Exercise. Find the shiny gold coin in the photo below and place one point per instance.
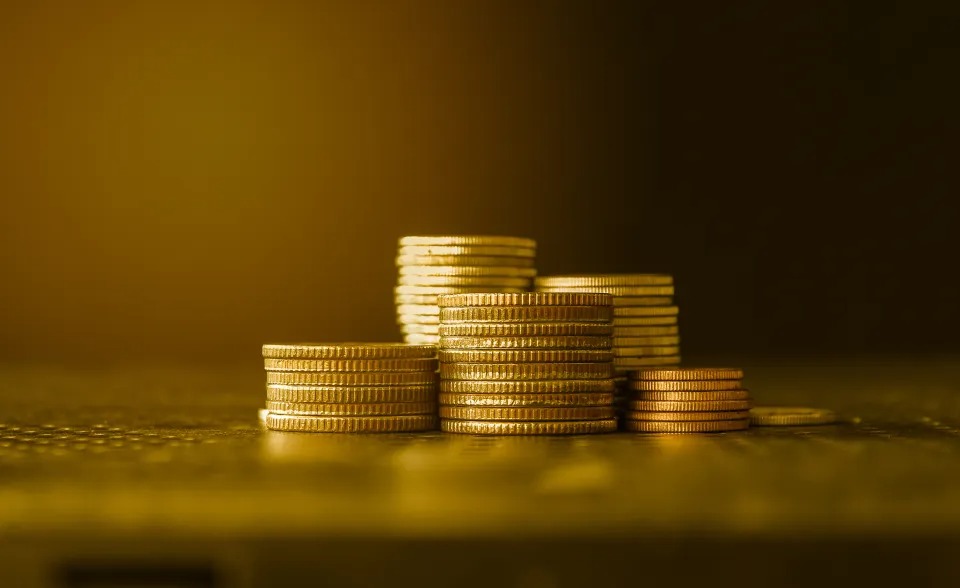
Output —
(412, 328)
(686, 427)
(482, 250)
(507, 413)
(529, 427)
(428, 300)
(352, 394)
(635, 363)
(422, 339)
(438, 290)
(467, 271)
(467, 240)
(789, 416)
(552, 329)
(525, 371)
(349, 365)
(525, 299)
(506, 314)
(419, 319)
(608, 280)
(347, 351)
(495, 282)
(511, 387)
(677, 416)
(419, 308)
(628, 342)
(524, 355)
(372, 409)
(470, 260)
(686, 374)
(689, 395)
(685, 385)
(652, 351)
(645, 311)
(352, 378)
(529, 400)
(691, 406)
(617, 291)
(640, 332)
(625, 322)
(356, 424)
(542, 342)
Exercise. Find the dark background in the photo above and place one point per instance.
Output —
(191, 179)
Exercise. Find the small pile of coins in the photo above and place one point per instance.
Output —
(687, 400)
(429, 266)
(526, 364)
(351, 387)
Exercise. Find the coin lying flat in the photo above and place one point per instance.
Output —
(524, 355)
(345, 409)
(526, 371)
(467, 271)
(628, 322)
(352, 378)
(411, 328)
(692, 406)
(659, 309)
(352, 394)
(685, 385)
(421, 339)
(347, 351)
(618, 291)
(466, 240)
(690, 395)
(685, 374)
(531, 400)
(419, 319)
(525, 413)
(544, 342)
(552, 329)
(686, 427)
(656, 350)
(464, 281)
(588, 386)
(418, 308)
(481, 250)
(529, 427)
(645, 332)
(350, 365)
(467, 260)
(527, 299)
(328, 424)
(438, 290)
(678, 416)
(604, 280)
(628, 342)
(503, 314)
(787, 416)
(633, 363)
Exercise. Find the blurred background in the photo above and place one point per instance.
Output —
(187, 180)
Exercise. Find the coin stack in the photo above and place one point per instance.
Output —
(351, 387)
(526, 364)
(433, 265)
(690, 400)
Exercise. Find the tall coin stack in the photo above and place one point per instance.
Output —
(691, 400)
(526, 364)
(429, 266)
(351, 387)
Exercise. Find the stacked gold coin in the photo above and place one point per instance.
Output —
(689, 400)
(526, 364)
(429, 266)
(351, 387)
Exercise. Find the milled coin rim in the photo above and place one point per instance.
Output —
(686, 426)
(618, 292)
(688, 373)
(492, 240)
(526, 371)
(419, 364)
(371, 394)
(570, 386)
(542, 400)
(527, 413)
(468, 281)
(525, 299)
(645, 311)
(525, 329)
(791, 416)
(347, 350)
(690, 395)
(507, 314)
(528, 427)
(528, 342)
(492, 271)
(684, 416)
(588, 280)
(685, 385)
(466, 260)
(693, 406)
(333, 424)
(351, 409)
(523, 355)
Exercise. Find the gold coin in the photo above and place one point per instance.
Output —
(787, 416)
(418, 308)
(632, 311)
(473, 260)
(692, 406)
(689, 395)
(525, 371)
(553, 329)
(686, 427)
(341, 409)
(525, 299)
(352, 378)
(635, 363)
(652, 351)
(617, 291)
(352, 394)
(467, 240)
(495, 282)
(527, 386)
(685, 385)
(531, 400)
(427, 300)
(524, 355)
(636, 332)
(437, 290)
(622, 322)
(467, 271)
(542, 342)
(350, 365)
(686, 374)
(419, 319)
(526, 413)
(529, 427)
(356, 424)
(347, 351)
(411, 328)
(677, 416)
(609, 280)
(627, 342)
(422, 339)
(482, 250)
(506, 314)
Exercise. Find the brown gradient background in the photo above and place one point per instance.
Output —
(192, 179)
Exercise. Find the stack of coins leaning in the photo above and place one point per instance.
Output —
(526, 364)
(690, 400)
(432, 265)
(351, 387)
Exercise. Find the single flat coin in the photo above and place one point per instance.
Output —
(652, 351)
(677, 416)
(685, 385)
(525, 371)
(529, 428)
(495, 282)
(471, 260)
(418, 308)
(690, 395)
(352, 378)
(623, 322)
(507, 413)
(428, 300)
(412, 328)
(552, 329)
(482, 250)
(350, 365)
(686, 427)
(356, 424)
(688, 374)
(523, 355)
(529, 400)
(790, 416)
(644, 311)
(642, 332)
(467, 271)
(617, 291)
(634, 363)
(371, 409)
(539, 387)
(422, 339)
(419, 319)
(628, 342)
(543, 342)
(466, 240)
(438, 290)
(692, 406)
(352, 394)
(347, 351)
(592, 280)
(505, 314)
(535, 299)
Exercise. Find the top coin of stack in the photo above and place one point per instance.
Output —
(433, 265)
(688, 400)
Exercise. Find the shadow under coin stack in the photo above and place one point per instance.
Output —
(351, 387)
(526, 364)
(432, 265)
(691, 400)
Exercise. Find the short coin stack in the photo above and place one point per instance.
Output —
(351, 387)
(691, 400)
(432, 265)
(526, 364)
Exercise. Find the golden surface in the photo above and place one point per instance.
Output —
(685, 427)
(421, 338)
(358, 424)
(685, 374)
(533, 299)
(688, 405)
(522, 355)
(523, 329)
(481, 250)
(350, 365)
(467, 240)
(589, 280)
(467, 260)
(525, 314)
(417, 305)
(352, 378)
(626, 342)
(470, 281)
(529, 428)
(526, 413)
(526, 371)
(412, 320)
(539, 400)
(619, 292)
(351, 409)
(541, 342)
(641, 332)
(651, 351)
(786, 416)
(351, 394)
(347, 351)
(682, 416)
(412, 271)
(685, 385)
(438, 290)
(527, 386)
(630, 322)
(690, 395)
